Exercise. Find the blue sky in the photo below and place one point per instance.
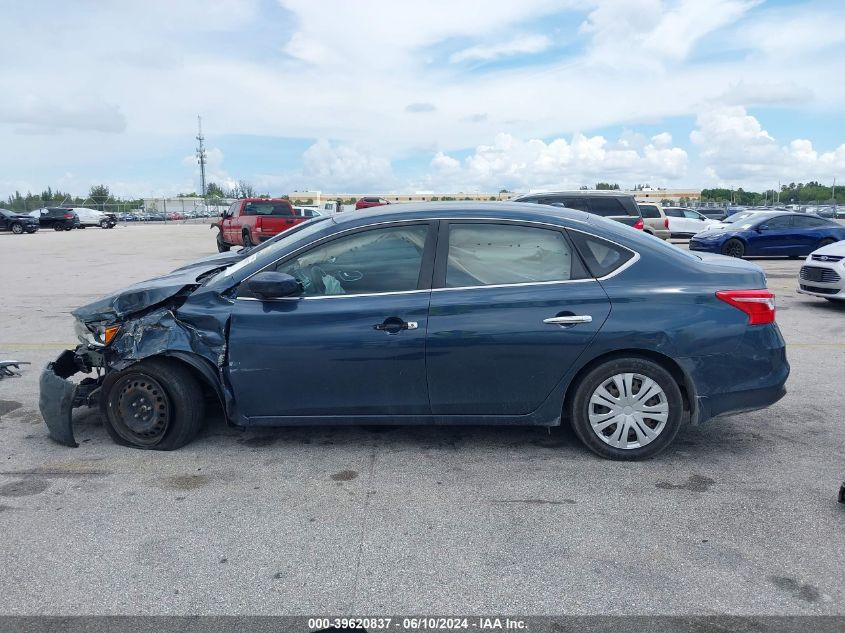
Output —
(392, 95)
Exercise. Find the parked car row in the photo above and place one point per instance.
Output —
(17, 223)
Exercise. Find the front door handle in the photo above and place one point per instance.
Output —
(569, 320)
(392, 325)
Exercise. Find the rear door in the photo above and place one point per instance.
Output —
(511, 310)
(808, 233)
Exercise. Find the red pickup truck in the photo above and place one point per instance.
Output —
(254, 220)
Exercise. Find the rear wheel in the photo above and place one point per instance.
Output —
(733, 248)
(248, 240)
(155, 404)
(58, 227)
(222, 247)
(17, 229)
(627, 409)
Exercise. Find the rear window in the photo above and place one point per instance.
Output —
(602, 257)
(579, 204)
(649, 211)
(268, 208)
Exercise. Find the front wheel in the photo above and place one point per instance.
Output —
(17, 229)
(104, 224)
(733, 248)
(58, 227)
(627, 409)
(222, 247)
(155, 404)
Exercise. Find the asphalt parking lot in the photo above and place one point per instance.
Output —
(739, 517)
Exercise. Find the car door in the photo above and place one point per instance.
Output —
(773, 236)
(695, 222)
(808, 233)
(511, 310)
(4, 221)
(231, 235)
(353, 344)
(676, 220)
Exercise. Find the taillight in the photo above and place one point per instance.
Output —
(665, 223)
(68, 216)
(759, 305)
(639, 224)
(258, 224)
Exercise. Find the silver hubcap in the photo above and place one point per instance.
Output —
(628, 411)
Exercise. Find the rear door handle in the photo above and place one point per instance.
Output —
(393, 325)
(569, 320)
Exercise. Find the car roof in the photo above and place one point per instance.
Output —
(575, 193)
(519, 211)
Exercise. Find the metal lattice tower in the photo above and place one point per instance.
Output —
(201, 158)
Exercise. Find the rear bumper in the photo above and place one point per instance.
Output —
(59, 396)
(736, 402)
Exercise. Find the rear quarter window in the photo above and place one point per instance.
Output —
(649, 211)
(601, 256)
(607, 207)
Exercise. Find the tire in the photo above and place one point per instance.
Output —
(222, 247)
(733, 248)
(665, 408)
(104, 224)
(826, 242)
(164, 391)
(16, 228)
(58, 227)
(248, 240)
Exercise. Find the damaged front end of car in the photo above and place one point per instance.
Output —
(146, 320)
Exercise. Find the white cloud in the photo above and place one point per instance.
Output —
(535, 164)
(735, 148)
(42, 115)
(339, 167)
(522, 45)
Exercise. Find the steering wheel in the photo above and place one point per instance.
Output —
(315, 274)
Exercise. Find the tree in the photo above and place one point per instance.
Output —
(213, 190)
(606, 186)
(99, 194)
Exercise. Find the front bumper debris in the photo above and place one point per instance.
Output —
(59, 396)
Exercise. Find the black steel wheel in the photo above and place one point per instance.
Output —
(733, 248)
(155, 404)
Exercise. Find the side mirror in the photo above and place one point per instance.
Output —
(762, 227)
(273, 285)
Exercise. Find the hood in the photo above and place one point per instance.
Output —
(143, 295)
(218, 259)
(837, 249)
(20, 216)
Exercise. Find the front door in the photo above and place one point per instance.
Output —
(777, 238)
(514, 310)
(353, 344)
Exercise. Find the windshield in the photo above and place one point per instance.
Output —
(269, 250)
(736, 217)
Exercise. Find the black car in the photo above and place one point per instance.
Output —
(17, 223)
(613, 205)
(57, 218)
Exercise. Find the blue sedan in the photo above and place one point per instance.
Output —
(770, 235)
(467, 313)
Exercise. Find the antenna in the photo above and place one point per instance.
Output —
(201, 153)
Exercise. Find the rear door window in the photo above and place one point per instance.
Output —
(779, 222)
(483, 254)
(809, 223)
(649, 211)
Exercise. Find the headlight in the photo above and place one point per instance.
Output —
(98, 335)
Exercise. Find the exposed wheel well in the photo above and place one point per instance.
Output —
(661, 359)
(201, 369)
